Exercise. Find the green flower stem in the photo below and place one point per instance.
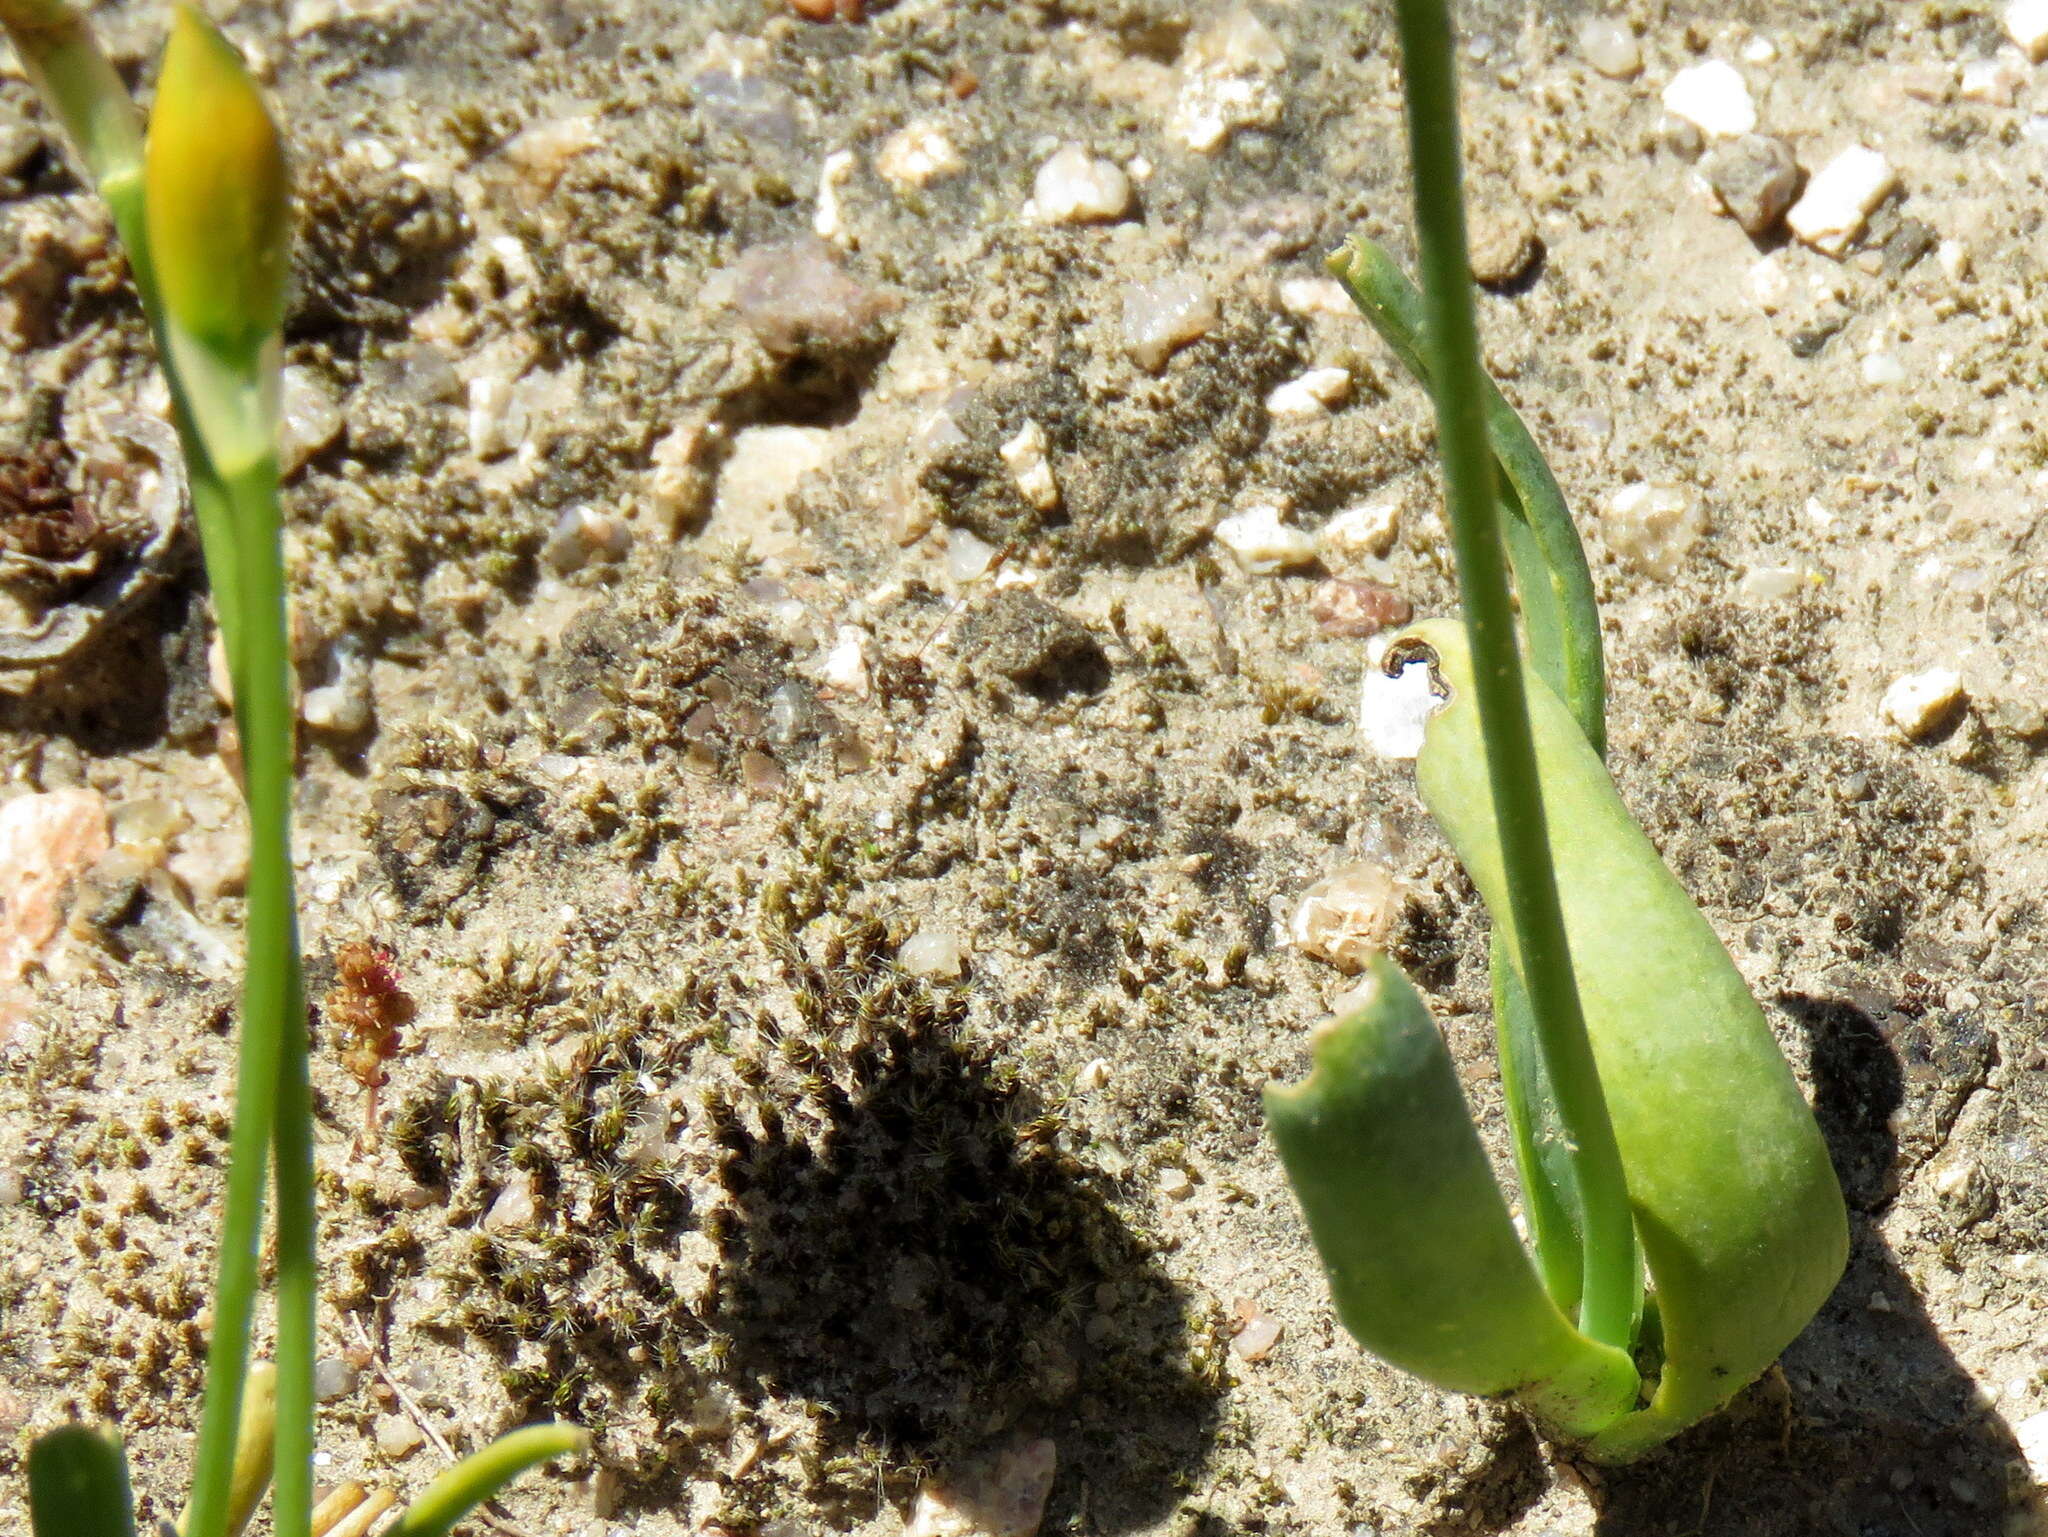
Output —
(273, 990)
(482, 1474)
(1609, 1270)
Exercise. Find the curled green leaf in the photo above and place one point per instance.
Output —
(1735, 1200)
(1422, 1258)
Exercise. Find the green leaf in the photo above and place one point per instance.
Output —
(78, 1484)
(1735, 1200)
(482, 1474)
(1422, 1258)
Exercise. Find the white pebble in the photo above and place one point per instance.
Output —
(1003, 1498)
(1769, 284)
(543, 152)
(497, 423)
(1075, 187)
(1840, 197)
(1920, 703)
(1392, 712)
(332, 1378)
(516, 1208)
(932, 953)
(2032, 1435)
(1770, 584)
(1610, 47)
(846, 665)
(1094, 1074)
(309, 417)
(1030, 469)
(1954, 259)
(1759, 50)
(1229, 80)
(1345, 917)
(345, 706)
(1365, 529)
(1176, 1184)
(1315, 296)
(1255, 1339)
(1713, 98)
(1312, 396)
(1882, 368)
(1164, 315)
(915, 154)
(583, 536)
(1653, 528)
(1996, 82)
(827, 221)
(398, 1437)
(1262, 542)
(2026, 23)
(968, 556)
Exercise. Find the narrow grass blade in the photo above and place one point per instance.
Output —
(1423, 1262)
(78, 1484)
(1551, 576)
(482, 1474)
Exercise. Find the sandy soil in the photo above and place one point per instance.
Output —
(675, 733)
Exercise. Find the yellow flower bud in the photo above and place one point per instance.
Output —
(215, 189)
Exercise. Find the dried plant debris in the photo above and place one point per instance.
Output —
(82, 541)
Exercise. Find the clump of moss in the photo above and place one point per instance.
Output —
(798, 1192)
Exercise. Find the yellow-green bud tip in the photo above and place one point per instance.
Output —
(216, 195)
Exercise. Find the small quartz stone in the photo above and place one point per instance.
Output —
(1994, 81)
(1030, 469)
(1653, 528)
(2026, 23)
(1075, 187)
(1366, 529)
(1839, 198)
(1164, 315)
(1262, 542)
(1176, 1184)
(1311, 396)
(1002, 1497)
(1230, 79)
(933, 953)
(398, 1437)
(1346, 917)
(1713, 98)
(332, 1378)
(1920, 704)
(583, 536)
(1770, 584)
(846, 665)
(1755, 178)
(2032, 1435)
(1256, 1335)
(516, 1208)
(1610, 48)
(915, 154)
